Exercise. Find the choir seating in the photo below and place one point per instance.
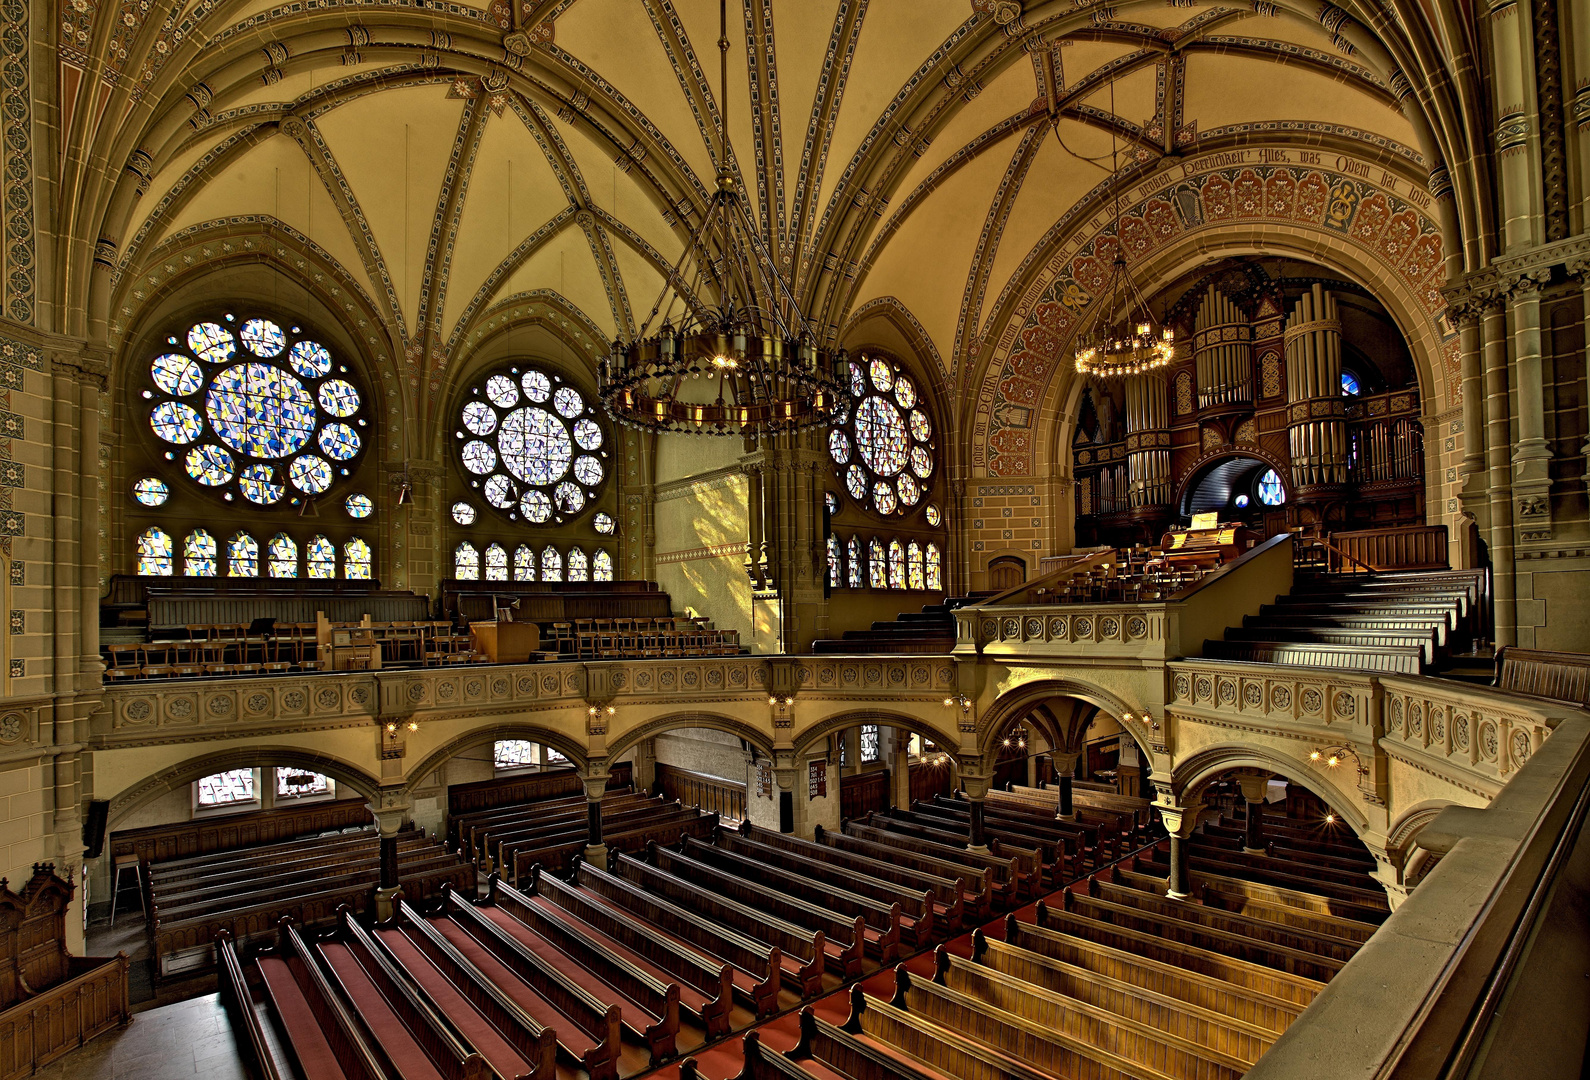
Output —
(1561, 676)
(931, 630)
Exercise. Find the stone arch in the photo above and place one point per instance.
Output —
(183, 773)
(1406, 858)
(1231, 450)
(560, 741)
(674, 721)
(883, 717)
(1015, 704)
(1198, 771)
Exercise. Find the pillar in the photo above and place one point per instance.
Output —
(1065, 767)
(391, 815)
(595, 780)
(976, 787)
(1498, 464)
(1255, 786)
(1531, 456)
(900, 771)
(1180, 821)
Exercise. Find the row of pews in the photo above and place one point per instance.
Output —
(195, 900)
(1109, 978)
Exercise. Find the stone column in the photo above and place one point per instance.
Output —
(595, 787)
(1531, 456)
(900, 771)
(1517, 133)
(1180, 821)
(976, 787)
(1065, 767)
(1255, 786)
(391, 814)
(1498, 451)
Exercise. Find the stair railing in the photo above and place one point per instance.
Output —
(1329, 558)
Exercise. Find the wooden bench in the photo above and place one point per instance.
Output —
(1010, 879)
(1561, 676)
(669, 829)
(975, 883)
(547, 783)
(254, 828)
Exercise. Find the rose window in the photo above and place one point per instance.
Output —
(255, 410)
(531, 446)
(885, 450)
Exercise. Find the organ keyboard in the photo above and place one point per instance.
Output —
(1204, 549)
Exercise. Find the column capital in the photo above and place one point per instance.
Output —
(1180, 821)
(1255, 784)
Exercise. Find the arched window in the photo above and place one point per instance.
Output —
(531, 445)
(935, 568)
(235, 788)
(524, 563)
(154, 553)
(602, 566)
(1271, 493)
(496, 563)
(1350, 386)
(198, 554)
(877, 571)
(322, 557)
(915, 576)
(466, 562)
(896, 565)
(356, 560)
(869, 743)
(853, 563)
(513, 754)
(551, 564)
(836, 574)
(579, 565)
(884, 451)
(242, 556)
(282, 556)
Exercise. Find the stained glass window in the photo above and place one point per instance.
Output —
(496, 563)
(877, 572)
(233, 788)
(602, 565)
(1271, 493)
(359, 506)
(836, 575)
(256, 410)
(869, 743)
(300, 784)
(1350, 387)
(322, 558)
(934, 517)
(551, 565)
(463, 513)
(151, 491)
(242, 556)
(896, 565)
(884, 451)
(466, 562)
(532, 444)
(915, 572)
(281, 556)
(356, 560)
(513, 754)
(603, 523)
(935, 568)
(853, 563)
(524, 563)
(198, 554)
(579, 565)
(154, 553)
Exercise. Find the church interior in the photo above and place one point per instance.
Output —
(1063, 556)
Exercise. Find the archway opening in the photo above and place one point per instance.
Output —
(1238, 487)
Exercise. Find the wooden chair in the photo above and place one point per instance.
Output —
(585, 639)
(125, 663)
(563, 637)
(157, 661)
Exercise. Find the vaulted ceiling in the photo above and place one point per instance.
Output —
(448, 161)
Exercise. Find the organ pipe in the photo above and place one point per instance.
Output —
(1316, 419)
(1222, 353)
(1148, 440)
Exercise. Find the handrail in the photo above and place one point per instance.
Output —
(1225, 569)
(1076, 564)
(1320, 541)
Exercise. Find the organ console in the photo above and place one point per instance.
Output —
(1204, 548)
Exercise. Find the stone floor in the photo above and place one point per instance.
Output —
(192, 1038)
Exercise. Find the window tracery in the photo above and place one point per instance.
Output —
(551, 564)
(198, 554)
(242, 556)
(496, 563)
(579, 565)
(322, 558)
(602, 566)
(282, 556)
(356, 560)
(466, 562)
(884, 451)
(524, 563)
(154, 553)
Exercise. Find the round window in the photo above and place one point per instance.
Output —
(884, 452)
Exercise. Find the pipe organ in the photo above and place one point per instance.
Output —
(1148, 440)
(1316, 416)
(1223, 354)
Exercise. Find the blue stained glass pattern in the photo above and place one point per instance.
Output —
(579, 565)
(524, 563)
(502, 392)
(536, 507)
(839, 446)
(258, 484)
(535, 446)
(551, 564)
(480, 418)
(154, 553)
(338, 397)
(176, 374)
(1350, 387)
(880, 435)
(242, 556)
(496, 563)
(322, 558)
(310, 359)
(588, 434)
(198, 554)
(260, 410)
(264, 338)
(568, 498)
(587, 470)
(282, 556)
(603, 523)
(466, 562)
(537, 387)
(213, 342)
(568, 402)
(463, 513)
(479, 457)
(209, 465)
(311, 474)
(602, 566)
(359, 506)
(339, 441)
(356, 560)
(151, 491)
(499, 492)
(884, 432)
(176, 423)
(1271, 493)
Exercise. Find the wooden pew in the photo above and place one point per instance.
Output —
(281, 828)
(1050, 1032)
(177, 899)
(668, 830)
(1292, 875)
(845, 939)
(504, 841)
(312, 1015)
(706, 989)
(1234, 890)
(528, 787)
(976, 883)
(805, 951)
(882, 882)
(409, 930)
(653, 999)
(1561, 676)
(376, 989)
(1062, 844)
(593, 1039)
(1309, 922)
(760, 1064)
(861, 1051)
(884, 922)
(472, 830)
(1011, 878)
(763, 963)
(239, 1000)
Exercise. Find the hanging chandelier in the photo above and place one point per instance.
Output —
(1104, 348)
(750, 366)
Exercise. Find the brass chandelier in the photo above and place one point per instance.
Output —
(743, 367)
